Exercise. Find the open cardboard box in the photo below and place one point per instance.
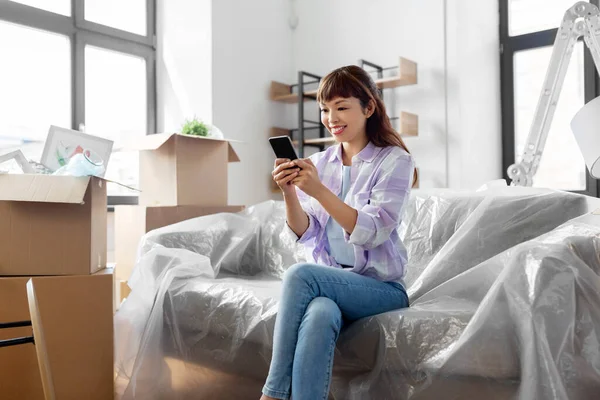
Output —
(133, 222)
(72, 324)
(177, 169)
(52, 225)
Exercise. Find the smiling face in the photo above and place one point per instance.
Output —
(345, 118)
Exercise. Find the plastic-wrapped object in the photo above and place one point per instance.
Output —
(504, 304)
(503, 218)
(247, 243)
(523, 324)
(87, 163)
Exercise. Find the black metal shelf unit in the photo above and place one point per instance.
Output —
(298, 93)
(302, 95)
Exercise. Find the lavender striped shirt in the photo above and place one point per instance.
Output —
(381, 179)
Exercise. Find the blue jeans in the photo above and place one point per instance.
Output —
(314, 300)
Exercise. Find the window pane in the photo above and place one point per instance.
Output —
(526, 16)
(34, 94)
(562, 165)
(129, 15)
(115, 108)
(56, 6)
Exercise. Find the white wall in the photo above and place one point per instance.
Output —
(183, 62)
(340, 32)
(455, 44)
(251, 47)
(217, 58)
(473, 72)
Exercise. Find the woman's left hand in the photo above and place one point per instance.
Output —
(308, 178)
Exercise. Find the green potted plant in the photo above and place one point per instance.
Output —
(194, 127)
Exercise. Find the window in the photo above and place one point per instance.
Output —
(131, 15)
(119, 118)
(34, 95)
(56, 6)
(562, 165)
(527, 32)
(81, 64)
(527, 16)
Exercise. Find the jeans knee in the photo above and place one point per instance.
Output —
(299, 271)
(324, 312)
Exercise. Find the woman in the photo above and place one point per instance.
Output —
(346, 213)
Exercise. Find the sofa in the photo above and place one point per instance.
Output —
(504, 285)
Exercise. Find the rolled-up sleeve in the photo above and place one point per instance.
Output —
(383, 212)
(313, 224)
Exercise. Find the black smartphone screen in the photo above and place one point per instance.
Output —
(283, 148)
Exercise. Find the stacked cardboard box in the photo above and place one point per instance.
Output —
(181, 177)
(53, 239)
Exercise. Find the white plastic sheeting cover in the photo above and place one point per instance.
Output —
(505, 304)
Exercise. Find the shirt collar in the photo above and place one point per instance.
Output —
(367, 154)
(336, 153)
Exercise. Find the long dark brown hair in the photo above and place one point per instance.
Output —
(353, 81)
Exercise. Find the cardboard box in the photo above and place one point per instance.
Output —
(124, 291)
(77, 319)
(180, 169)
(133, 222)
(19, 372)
(52, 225)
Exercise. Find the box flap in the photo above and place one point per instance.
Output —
(231, 153)
(155, 141)
(233, 157)
(72, 321)
(206, 138)
(150, 142)
(43, 188)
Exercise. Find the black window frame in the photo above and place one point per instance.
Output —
(508, 46)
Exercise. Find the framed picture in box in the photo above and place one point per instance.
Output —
(20, 160)
(62, 144)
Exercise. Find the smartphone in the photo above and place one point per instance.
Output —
(283, 147)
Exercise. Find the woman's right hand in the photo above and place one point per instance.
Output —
(283, 173)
